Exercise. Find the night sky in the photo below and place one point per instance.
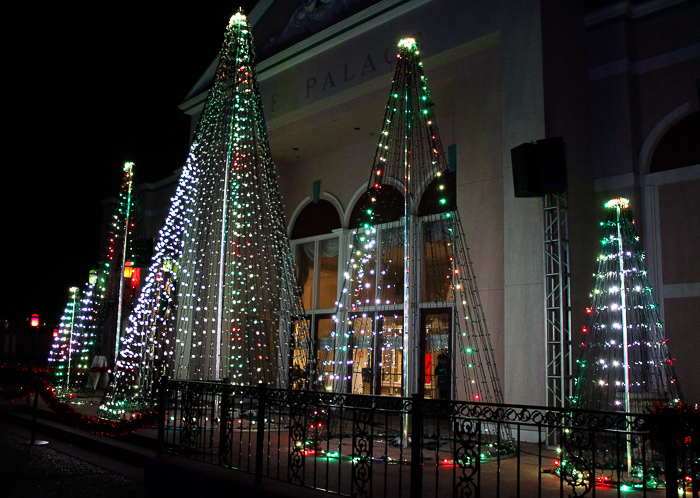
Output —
(89, 88)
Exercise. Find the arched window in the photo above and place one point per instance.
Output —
(440, 196)
(678, 148)
(316, 250)
(316, 219)
(386, 205)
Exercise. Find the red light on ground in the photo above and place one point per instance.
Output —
(35, 320)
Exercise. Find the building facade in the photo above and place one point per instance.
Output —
(617, 80)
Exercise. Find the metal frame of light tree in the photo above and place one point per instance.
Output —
(435, 271)
(92, 329)
(625, 363)
(128, 170)
(220, 301)
(122, 253)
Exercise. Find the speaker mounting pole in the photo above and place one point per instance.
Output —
(557, 303)
(539, 170)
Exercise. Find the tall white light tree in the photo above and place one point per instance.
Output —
(220, 300)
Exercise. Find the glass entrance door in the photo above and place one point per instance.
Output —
(390, 356)
(436, 349)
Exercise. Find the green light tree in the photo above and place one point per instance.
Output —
(625, 363)
(94, 315)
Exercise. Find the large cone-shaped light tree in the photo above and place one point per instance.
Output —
(409, 317)
(220, 301)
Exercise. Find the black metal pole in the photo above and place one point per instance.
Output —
(224, 446)
(162, 400)
(671, 462)
(35, 413)
(417, 446)
(262, 399)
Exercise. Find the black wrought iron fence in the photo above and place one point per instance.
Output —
(358, 445)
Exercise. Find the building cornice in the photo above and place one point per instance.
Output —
(336, 34)
(629, 10)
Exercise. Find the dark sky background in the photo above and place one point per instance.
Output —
(88, 87)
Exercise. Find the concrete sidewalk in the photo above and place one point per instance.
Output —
(76, 463)
(60, 469)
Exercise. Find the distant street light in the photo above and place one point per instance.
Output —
(34, 323)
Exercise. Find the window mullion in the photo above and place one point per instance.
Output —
(317, 271)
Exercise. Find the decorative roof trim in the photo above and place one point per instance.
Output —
(627, 9)
(258, 12)
(336, 34)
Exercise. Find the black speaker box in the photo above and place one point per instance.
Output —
(540, 168)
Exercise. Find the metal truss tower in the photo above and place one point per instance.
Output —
(557, 299)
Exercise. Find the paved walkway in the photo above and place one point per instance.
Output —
(79, 464)
(61, 470)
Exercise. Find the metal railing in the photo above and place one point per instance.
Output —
(354, 445)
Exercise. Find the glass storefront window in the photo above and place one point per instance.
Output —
(371, 358)
(437, 360)
(392, 267)
(437, 262)
(328, 273)
(324, 326)
(362, 347)
(305, 272)
(299, 375)
(318, 256)
(391, 356)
